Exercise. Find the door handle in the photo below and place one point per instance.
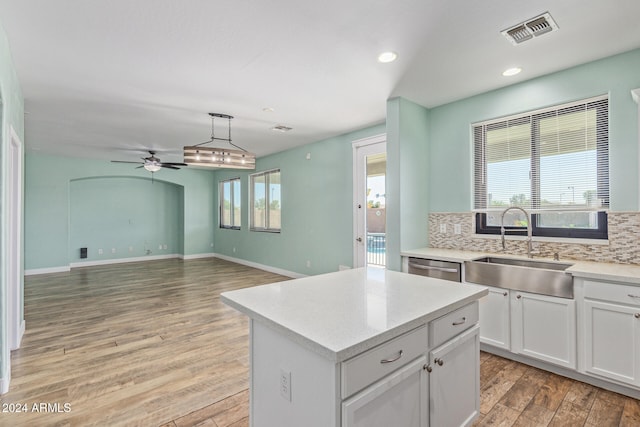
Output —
(383, 361)
(459, 322)
(359, 239)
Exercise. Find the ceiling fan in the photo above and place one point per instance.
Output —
(152, 163)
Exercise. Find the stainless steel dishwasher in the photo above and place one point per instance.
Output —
(438, 269)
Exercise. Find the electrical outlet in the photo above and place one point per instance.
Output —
(130, 248)
(308, 264)
(100, 251)
(113, 250)
(164, 246)
(285, 384)
(160, 247)
(443, 228)
(234, 250)
(457, 229)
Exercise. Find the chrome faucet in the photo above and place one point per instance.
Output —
(502, 229)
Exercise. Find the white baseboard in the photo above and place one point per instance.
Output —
(259, 266)
(4, 382)
(198, 256)
(20, 335)
(36, 271)
(123, 260)
(264, 267)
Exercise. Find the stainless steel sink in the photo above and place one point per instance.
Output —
(527, 275)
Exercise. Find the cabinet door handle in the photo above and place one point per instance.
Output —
(392, 360)
(637, 315)
(504, 294)
(459, 322)
(519, 296)
(427, 368)
(439, 361)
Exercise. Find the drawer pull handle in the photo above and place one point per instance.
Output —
(392, 360)
(634, 296)
(460, 322)
(439, 361)
(637, 315)
(504, 294)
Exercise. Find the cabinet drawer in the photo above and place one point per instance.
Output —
(366, 368)
(609, 292)
(450, 325)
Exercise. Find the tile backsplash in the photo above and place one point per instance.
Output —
(623, 245)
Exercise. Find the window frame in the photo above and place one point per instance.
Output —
(267, 228)
(232, 182)
(601, 232)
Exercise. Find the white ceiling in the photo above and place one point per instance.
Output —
(103, 78)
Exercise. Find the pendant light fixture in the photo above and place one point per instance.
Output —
(211, 157)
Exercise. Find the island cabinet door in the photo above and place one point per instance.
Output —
(454, 381)
(399, 399)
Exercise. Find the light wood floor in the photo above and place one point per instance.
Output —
(513, 394)
(134, 344)
(151, 344)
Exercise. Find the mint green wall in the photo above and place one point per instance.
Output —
(12, 107)
(50, 181)
(407, 178)
(317, 214)
(131, 215)
(450, 159)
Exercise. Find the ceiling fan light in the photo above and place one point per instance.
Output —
(152, 167)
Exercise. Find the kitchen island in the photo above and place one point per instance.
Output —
(362, 347)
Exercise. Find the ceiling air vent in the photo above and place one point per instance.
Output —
(281, 128)
(531, 28)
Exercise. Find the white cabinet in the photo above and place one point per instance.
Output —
(448, 396)
(400, 399)
(538, 326)
(544, 328)
(495, 318)
(370, 366)
(611, 332)
(454, 380)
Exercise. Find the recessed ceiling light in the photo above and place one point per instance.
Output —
(511, 71)
(268, 109)
(385, 57)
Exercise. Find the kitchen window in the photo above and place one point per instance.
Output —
(266, 201)
(229, 192)
(553, 163)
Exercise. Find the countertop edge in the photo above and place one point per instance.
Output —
(385, 336)
(338, 356)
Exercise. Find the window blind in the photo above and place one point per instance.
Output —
(554, 159)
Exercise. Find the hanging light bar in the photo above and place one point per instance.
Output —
(239, 158)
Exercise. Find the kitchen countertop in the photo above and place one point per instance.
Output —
(339, 315)
(624, 273)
